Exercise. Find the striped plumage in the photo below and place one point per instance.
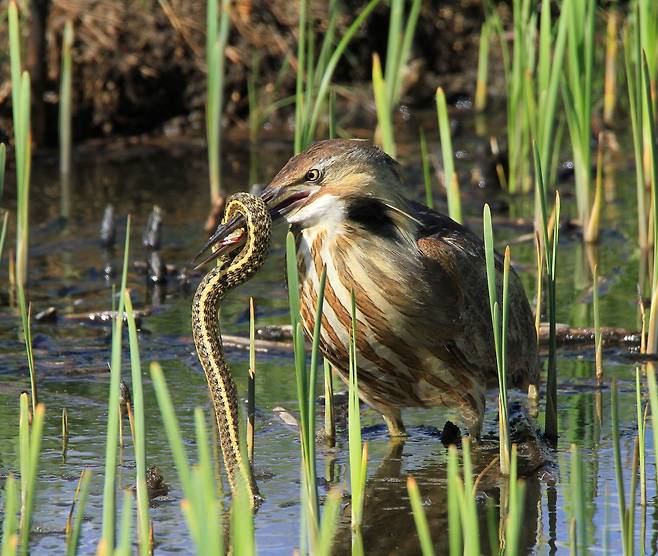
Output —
(424, 334)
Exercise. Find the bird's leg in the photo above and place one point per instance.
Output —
(533, 400)
(393, 420)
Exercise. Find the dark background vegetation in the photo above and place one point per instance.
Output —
(139, 65)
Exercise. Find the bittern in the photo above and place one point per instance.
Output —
(424, 333)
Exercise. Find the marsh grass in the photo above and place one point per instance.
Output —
(65, 91)
(450, 178)
(549, 253)
(29, 450)
(198, 481)
(577, 95)
(610, 80)
(112, 436)
(217, 26)
(499, 320)
(480, 102)
(251, 386)
(634, 80)
(20, 99)
(424, 157)
(641, 416)
(314, 74)
(139, 434)
(598, 341)
(65, 432)
(387, 86)
(306, 392)
(420, 519)
(73, 526)
(329, 413)
(358, 452)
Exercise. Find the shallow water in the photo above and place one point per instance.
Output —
(67, 272)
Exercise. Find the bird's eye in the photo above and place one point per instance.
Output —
(313, 174)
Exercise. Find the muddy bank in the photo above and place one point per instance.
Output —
(139, 67)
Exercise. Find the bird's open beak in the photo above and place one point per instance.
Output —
(231, 235)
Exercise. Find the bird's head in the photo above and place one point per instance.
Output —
(322, 183)
(333, 182)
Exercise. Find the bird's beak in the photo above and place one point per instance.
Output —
(231, 235)
(227, 238)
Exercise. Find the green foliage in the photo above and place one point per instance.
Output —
(216, 40)
(358, 451)
(549, 247)
(420, 519)
(109, 488)
(314, 75)
(139, 439)
(450, 179)
(79, 500)
(499, 320)
(65, 101)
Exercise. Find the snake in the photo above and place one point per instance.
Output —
(231, 271)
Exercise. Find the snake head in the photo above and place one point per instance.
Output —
(246, 220)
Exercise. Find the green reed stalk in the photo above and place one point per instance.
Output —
(216, 39)
(358, 451)
(578, 499)
(333, 123)
(598, 343)
(420, 519)
(653, 401)
(480, 102)
(251, 385)
(124, 546)
(29, 452)
(425, 160)
(10, 524)
(65, 90)
(450, 178)
(610, 83)
(3, 163)
(109, 488)
(306, 384)
(635, 95)
(641, 434)
(329, 413)
(619, 474)
(652, 149)
(79, 500)
(383, 107)
(139, 439)
(468, 504)
(388, 86)
(577, 93)
(3, 231)
(242, 523)
(499, 326)
(65, 432)
(20, 93)
(454, 515)
(26, 318)
(309, 107)
(181, 461)
(648, 27)
(591, 232)
(550, 256)
(329, 523)
(205, 501)
(515, 517)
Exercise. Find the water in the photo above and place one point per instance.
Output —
(66, 271)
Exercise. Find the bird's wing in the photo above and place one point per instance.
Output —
(455, 264)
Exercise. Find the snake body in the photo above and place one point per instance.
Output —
(230, 272)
